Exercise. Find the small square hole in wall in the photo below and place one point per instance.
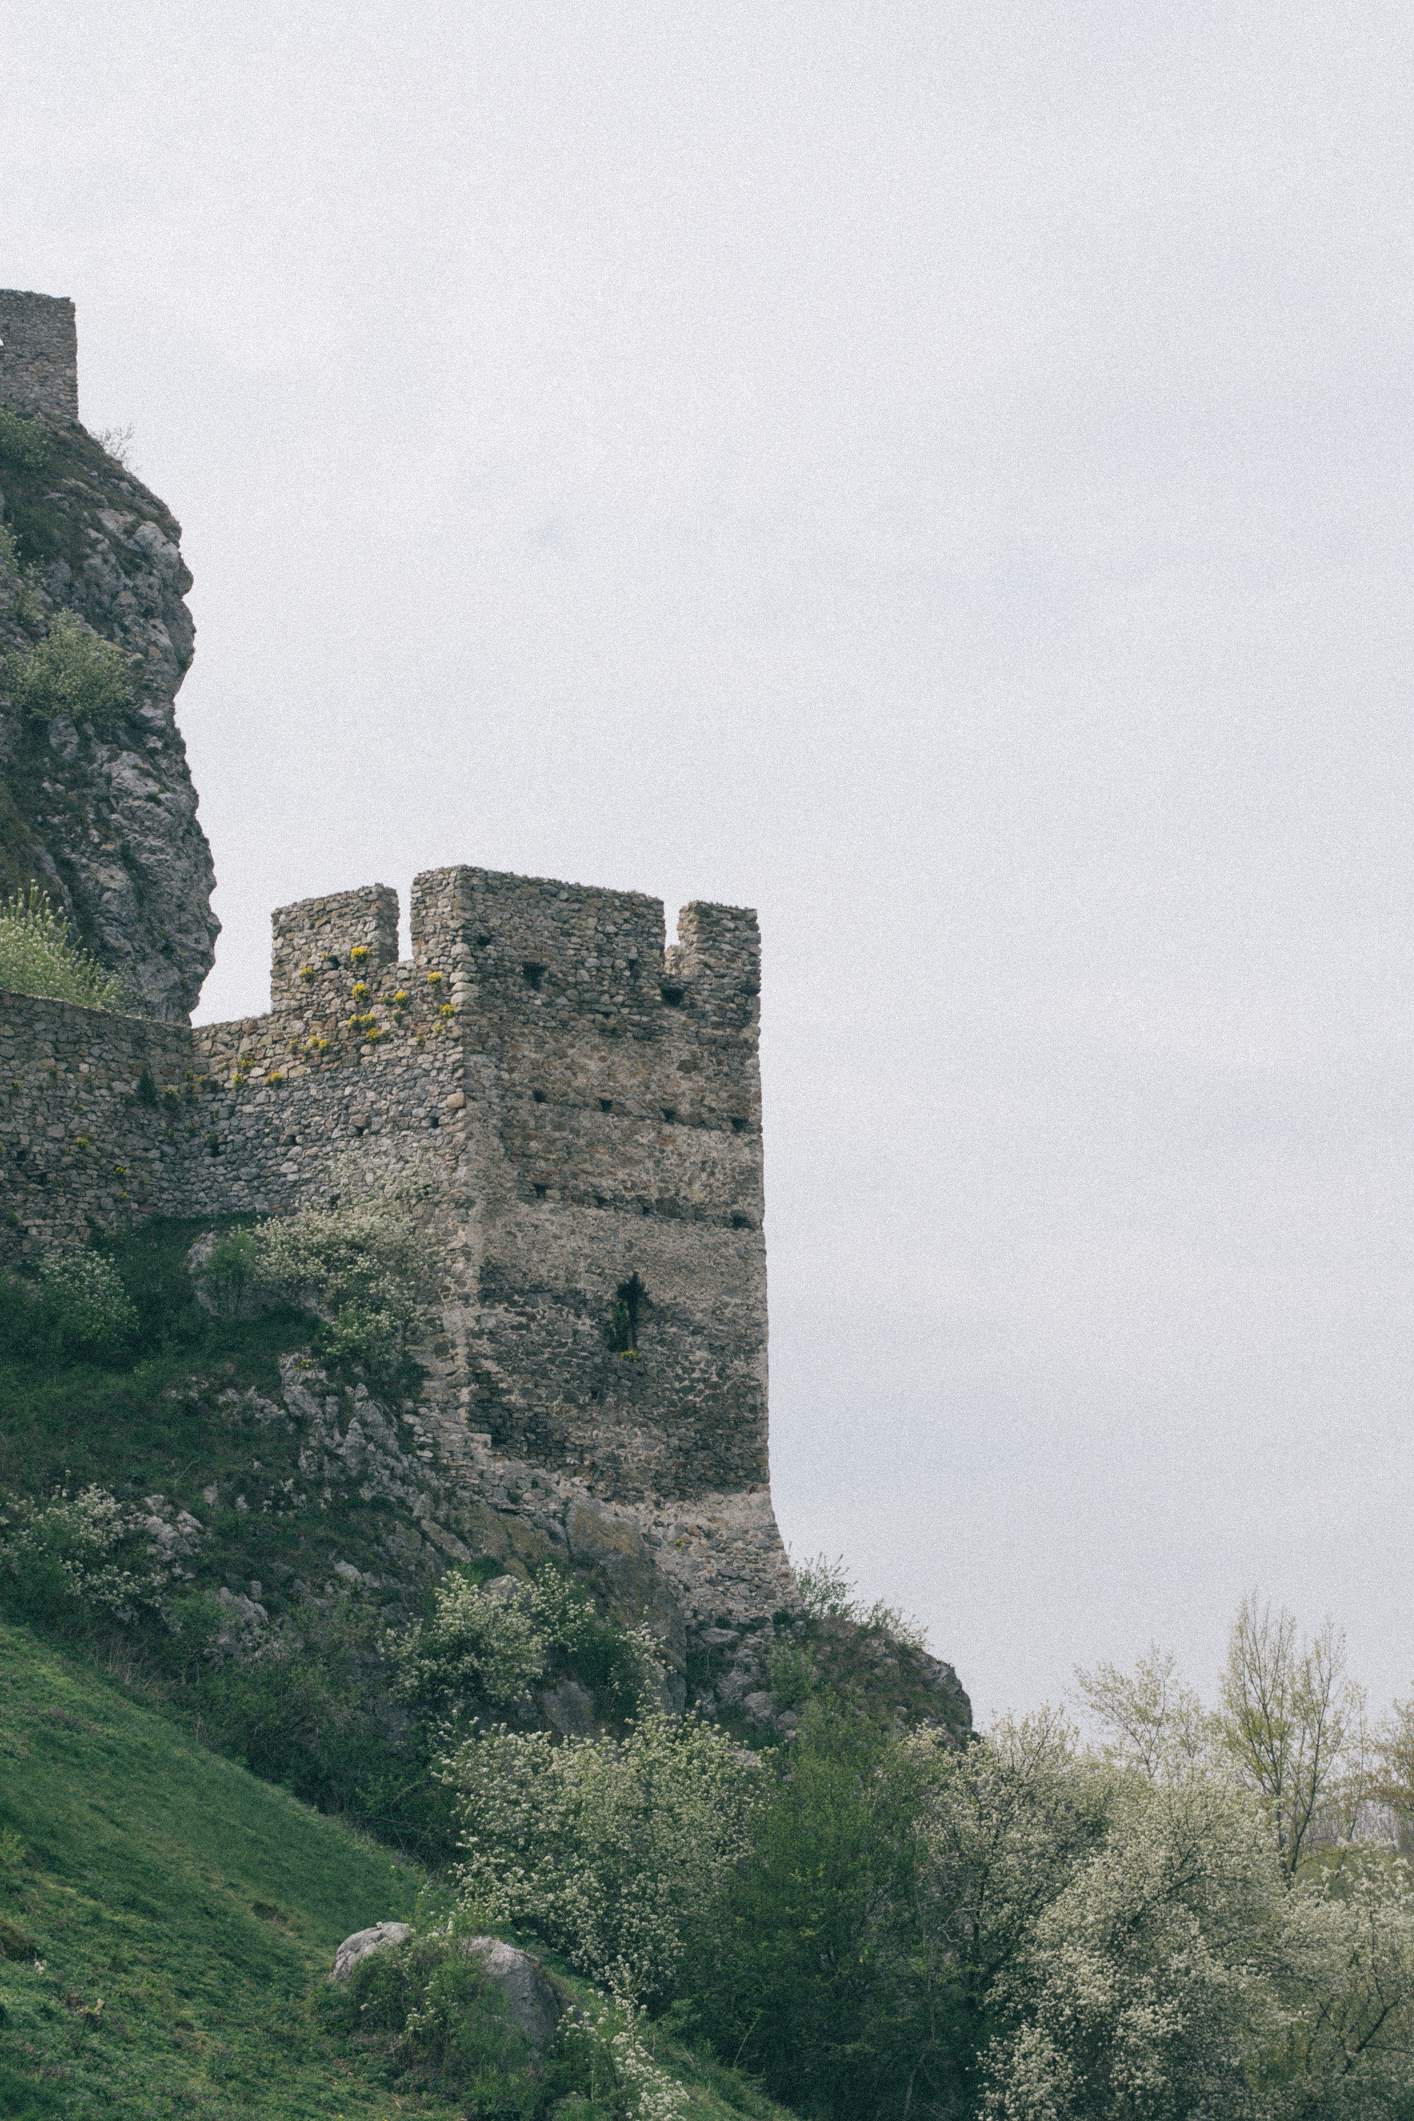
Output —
(539, 1096)
(540, 1192)
(741, 1222)
(670, 1113)
(532, 974)
(673, 997)
(434, 1121)
(606, 1104)
(738, 1126)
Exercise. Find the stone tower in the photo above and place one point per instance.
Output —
(39, 354)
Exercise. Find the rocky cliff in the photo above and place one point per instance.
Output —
(97, 803)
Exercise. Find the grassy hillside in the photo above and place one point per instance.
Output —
(184, 1915)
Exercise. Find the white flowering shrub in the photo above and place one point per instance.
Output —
(476, 1647)
(481, 1647)
(87, 1309)
(647, 2093)
(86, 1552)
(613, 1852)
(1139, 1991)
(38, 956)
(76, 1308)
(363, 1267)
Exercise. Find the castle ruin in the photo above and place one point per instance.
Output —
(575, 1102)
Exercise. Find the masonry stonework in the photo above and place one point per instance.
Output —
(39, 354)
(578, 1108)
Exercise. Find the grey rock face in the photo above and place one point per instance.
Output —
(102, 817)
(526, 1986)
(569, 1710)
(362, 1942)
(530, 1994)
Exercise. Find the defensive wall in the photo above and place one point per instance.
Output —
(39, 353)
(576, 1108)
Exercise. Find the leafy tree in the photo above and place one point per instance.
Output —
(1291, 1723)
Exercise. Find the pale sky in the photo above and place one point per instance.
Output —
(939, 474)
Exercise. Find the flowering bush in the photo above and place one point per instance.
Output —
(480, 1646)
(88, 1310)
(361, 1267)
(86, 1551)
(76, 1309)
(476, 1647)
(615, 1853)
(38, 957)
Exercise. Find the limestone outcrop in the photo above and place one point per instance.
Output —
(97, 807)
(532, 2002)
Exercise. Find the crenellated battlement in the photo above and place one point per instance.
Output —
(533, 944)
(315, 941)
(39, 354)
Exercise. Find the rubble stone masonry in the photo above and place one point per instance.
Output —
(578, 1109)
(39, 353)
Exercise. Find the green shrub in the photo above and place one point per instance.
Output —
(77, 1309)
(430, 2008)
(38, 957)
(79, 1557)
(827, 1592)
(71, 671)
(22, 442)
(613, 1852)
(362, 1267)
(229, 1272)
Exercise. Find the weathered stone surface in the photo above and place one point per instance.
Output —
(104, 820)
(569, 1709)
(530, 1995)
(527, 1988)
(362, 1942)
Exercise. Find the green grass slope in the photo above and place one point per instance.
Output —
(184, 1915)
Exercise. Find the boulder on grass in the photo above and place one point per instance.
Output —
(363, 1942)
(530, 1994)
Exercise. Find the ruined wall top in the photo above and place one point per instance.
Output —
(39, 354)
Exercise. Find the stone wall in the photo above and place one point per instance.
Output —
(39, 354)
(579, 1108)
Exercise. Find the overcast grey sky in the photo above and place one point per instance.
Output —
(939, 474)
